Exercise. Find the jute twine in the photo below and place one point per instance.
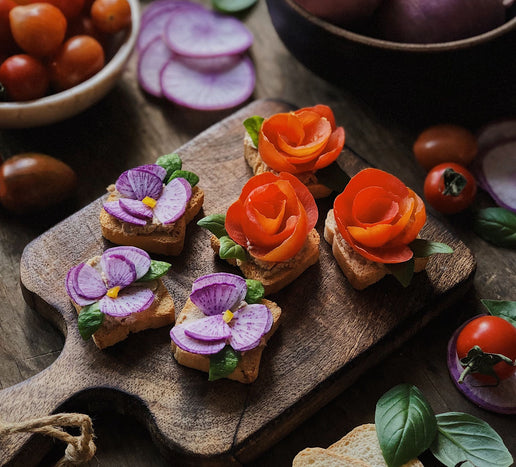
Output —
(80, 448)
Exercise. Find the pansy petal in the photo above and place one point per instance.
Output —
(89, 282)
(211, 328)
(144, 184)
(130, 300)
(172, 203)
(154, 169)
(222, 278)
(136, 208)
(215, 299)
(189, 344)
(140, 258)
(114, 209)
(248, 326)
(123, 186)
(119, 270)
(71, 287)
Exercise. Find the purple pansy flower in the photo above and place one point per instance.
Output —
(111, 287)
(143, 196)
(228, 319)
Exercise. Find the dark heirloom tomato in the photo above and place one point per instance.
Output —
(111, 15)
(24, 78)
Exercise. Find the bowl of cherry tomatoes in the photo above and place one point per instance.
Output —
(59, 57)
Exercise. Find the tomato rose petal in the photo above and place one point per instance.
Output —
(373, 205)
(417, 220)
(389, 255)
(271, 221)
(285, 125)
(233, 224)
(374, 236)
(306, 199)
(316, 134)
(323, 111)
(332, 149)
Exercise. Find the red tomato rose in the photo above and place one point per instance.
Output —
(379, 216)
(302, 141)
(272, 217)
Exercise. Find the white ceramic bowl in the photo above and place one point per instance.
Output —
(59, 106)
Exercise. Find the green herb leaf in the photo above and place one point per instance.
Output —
(503, 308)
(402, 271)
(424, 248)
(215, 223)
(156, 270)
(333, 177)
(232, 6)
(230, 249)
(90, 319)
(253, 125)
(222, 364)
(462, 437)
(192, 178)
(255, 291)
(497, 226)
(170, 162)
(405, 424)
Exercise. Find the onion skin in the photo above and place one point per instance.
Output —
(434, 21)
(342, 12)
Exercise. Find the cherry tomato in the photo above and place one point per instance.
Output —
(70, 8)
(493, 335)
(83, 25)
(24, 78)
(7, 43)
(79, 58)
(450, 188)
(38, 28)
(111, 15)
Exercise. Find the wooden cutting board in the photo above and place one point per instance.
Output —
(330, 335)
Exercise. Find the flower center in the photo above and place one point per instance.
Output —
(227, 316)
(151, 202)
(113, 292)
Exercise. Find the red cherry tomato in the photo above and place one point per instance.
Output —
(70, 8)
(493, 335)
(111, 15)
(7, 43)
(38, 28)
(24, 78)
(79, 58)
(450, 188)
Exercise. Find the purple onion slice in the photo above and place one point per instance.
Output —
(499, 399)
(119, 270)
(114, 209)
(204, 33)
(215, 299)
(184, 342)
(88, 282)
(248, 326)
(145, 183)
(136, 208)
(130, 300)
(70, 283)
(172, 203)
(140, 258)
(210, 328)
(151, 62)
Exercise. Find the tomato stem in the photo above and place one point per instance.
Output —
(478, 361)
(454, 182)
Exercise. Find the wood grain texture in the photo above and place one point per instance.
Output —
(330, 335)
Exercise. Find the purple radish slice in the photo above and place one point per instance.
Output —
(222, 278)
(118, 269)
(496, 132)
(130, 300)
(70, 282)
(145, 184)
(89, 283)
(211, 328)
(215, 299)
(498, 165)
(123, 184)
(136, 208)
(248, 326)
(151, 61)
(161, 6)
(140, 258)
(227, 83)
(499, 399)
(114, 209)
(171, 205)
(204, 33)
(153, 169)
(184, 342)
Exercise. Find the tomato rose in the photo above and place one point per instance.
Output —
(302, 141)
(379, 216)
(272, 217)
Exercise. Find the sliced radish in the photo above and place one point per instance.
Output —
(71, 287)
(496, 132)
(215, 299)
(248, 326)
(151, 61)
(114, 209)
(204, 33)
(144, 184)
(136, 208)
(89, 282)
(211, 328)
(119, 270)
(171, 205)
(129, 300)
(208, 84)
(222, 278)
(162, 6)
(194, 345)
(140, 258)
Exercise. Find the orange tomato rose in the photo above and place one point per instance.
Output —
(379, 216)
(272, 217)
(302, 141)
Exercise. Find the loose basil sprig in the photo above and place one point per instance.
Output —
(497, 226)
(229, 249)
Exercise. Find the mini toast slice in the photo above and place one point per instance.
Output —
(319, 457)
(249, 364)
(164, 240)
(360, 271)
(253, 158)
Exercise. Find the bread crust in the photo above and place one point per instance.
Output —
(276, 276)
(169, 243)
(319, 457)
(249, 364)
(253, 158)
(360, 271)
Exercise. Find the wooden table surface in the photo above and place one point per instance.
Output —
(128, 128)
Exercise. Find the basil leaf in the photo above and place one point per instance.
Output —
(156, 270)
(192, 178)
(462, 437)
(255, 291)
(333, 177)
(402, 271)
(405, 424)
(229, 249)
(503, 308)
(497, 226)
(222, 364)
(215, 223)
(170, 162)
(424, 248)
(89, 320)
(232, 6)
(253, 125)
